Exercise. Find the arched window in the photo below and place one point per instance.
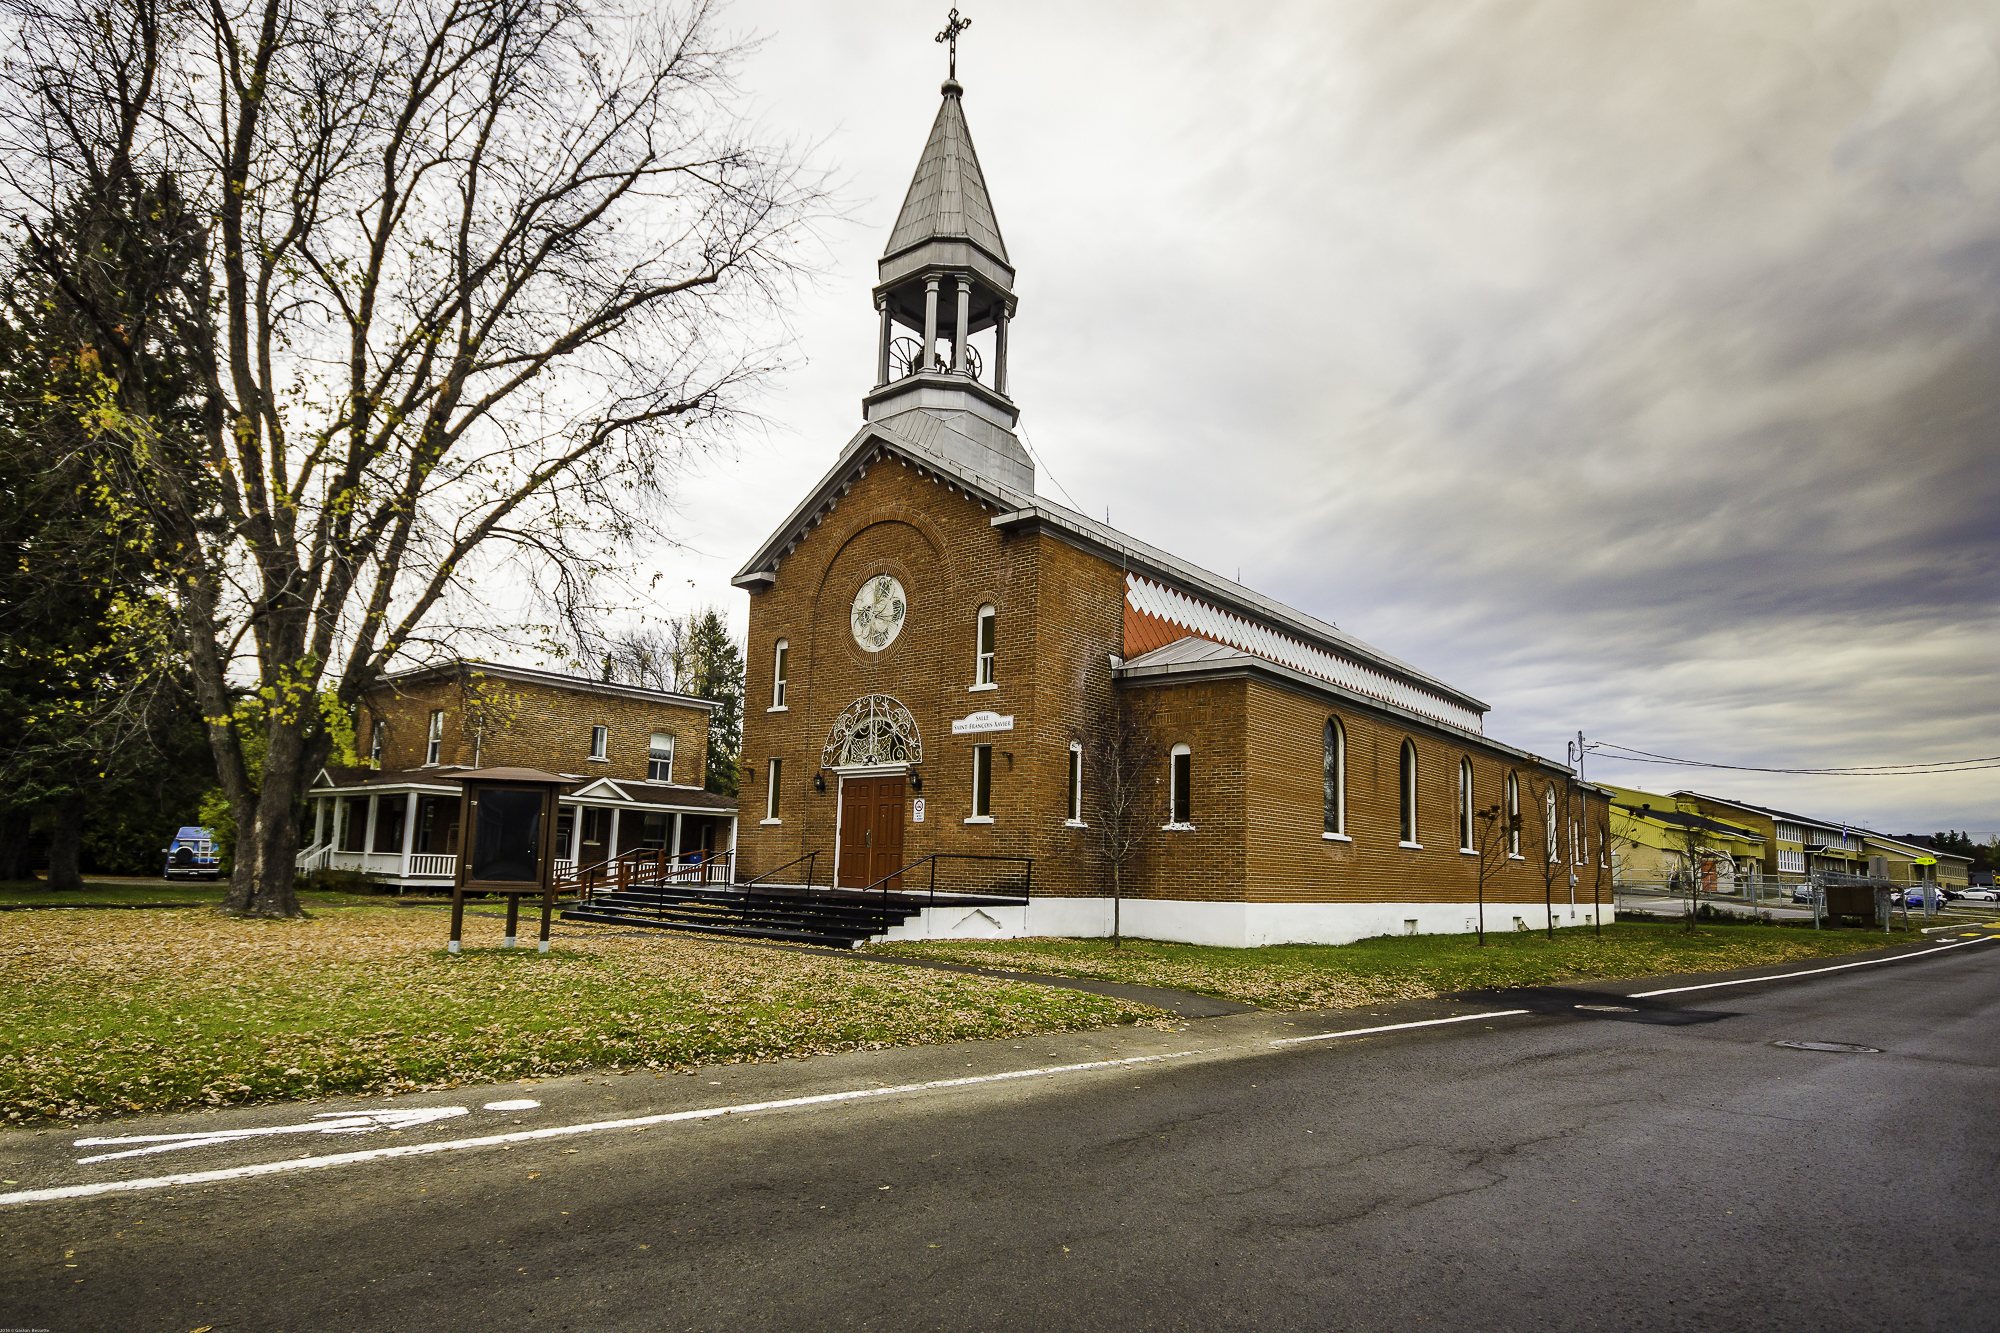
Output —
(1549, 824)
(1180, 776)
(1465, 804)
(1513, 814)
(987, 644)
(1407, 785)
(1336, 778)
(1076, 784)
(780, 664)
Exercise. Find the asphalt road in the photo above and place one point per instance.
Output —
(1657, 1165)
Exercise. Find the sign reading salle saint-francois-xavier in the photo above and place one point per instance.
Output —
(978, 722)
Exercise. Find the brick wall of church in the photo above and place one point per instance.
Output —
(1291, 862)
(941, 546)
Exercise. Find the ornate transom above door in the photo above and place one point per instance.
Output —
(880, 609)
(875, 730)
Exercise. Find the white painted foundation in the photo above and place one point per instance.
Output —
(1229, 925)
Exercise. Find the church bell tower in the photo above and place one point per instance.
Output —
(945, 298)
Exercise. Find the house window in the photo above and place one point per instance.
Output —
(984, 674)
(1465, 805)
(1076, 783)
(1180, 777)
(773, 787)
(434, 742)
(1406, 786)
(982, 782)
(778, 669)
(1513, 814)
(1335, 793)
(600, 742)
(660, 758)
(375, 745)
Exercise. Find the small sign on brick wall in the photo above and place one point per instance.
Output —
(917, 811)
(980, 722)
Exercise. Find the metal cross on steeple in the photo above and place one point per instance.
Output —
(952, 29)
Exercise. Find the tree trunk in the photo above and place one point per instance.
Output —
(1117, 899)
(66, 844)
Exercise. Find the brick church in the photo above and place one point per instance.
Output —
(943, 663)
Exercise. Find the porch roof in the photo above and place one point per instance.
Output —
(444, 781)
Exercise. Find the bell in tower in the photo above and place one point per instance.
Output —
(944, 298)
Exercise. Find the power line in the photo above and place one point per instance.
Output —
(1631, 755)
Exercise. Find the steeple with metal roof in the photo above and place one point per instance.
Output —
(945, 299)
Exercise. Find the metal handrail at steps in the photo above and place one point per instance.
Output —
(1027, 864)
(646, 867)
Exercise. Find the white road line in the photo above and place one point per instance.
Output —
(555, 1132)
(1813, 972)
(1398, 1027)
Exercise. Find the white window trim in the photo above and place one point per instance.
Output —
(1339, 832)
(979, 689)
(652, 758)
(976, 816)
(774, 770)
(1174, 792)
(780, 673)
(434, 739)
(985, 669)
(1406, 794)
(777, 708)
(598, 731)
(1414, 846)
(1073, 787)
(1465, 807)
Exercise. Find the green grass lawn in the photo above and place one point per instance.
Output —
(118, 1012)
(1403, 967)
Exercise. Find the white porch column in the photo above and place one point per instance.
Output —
(575, 834)
(409, 833)
(319, 822)
(368, 838)
(611, 842)
(676, 849)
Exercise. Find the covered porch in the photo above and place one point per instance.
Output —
(402, 827)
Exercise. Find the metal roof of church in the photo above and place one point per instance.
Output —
(948, 196)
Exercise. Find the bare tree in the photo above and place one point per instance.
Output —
(459, 280)
(1492, 835)
(1124, 768)
(1553, 799)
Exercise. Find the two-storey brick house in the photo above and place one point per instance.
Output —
(939, 660)
(636, 759)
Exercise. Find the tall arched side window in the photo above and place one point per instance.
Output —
(1465, 805)
(1513, 814)
(1180, 776)
(1549, 825)
(780, 667)
(1336, 779)
(987, 645)
(1407, 787)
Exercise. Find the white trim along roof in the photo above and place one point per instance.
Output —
(555, 679)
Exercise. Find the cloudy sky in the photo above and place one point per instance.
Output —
(1634, 367)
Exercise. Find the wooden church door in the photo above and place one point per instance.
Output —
(871, 830)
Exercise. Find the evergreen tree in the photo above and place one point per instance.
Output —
(714, 670)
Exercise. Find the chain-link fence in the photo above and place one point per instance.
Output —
(1825, 899)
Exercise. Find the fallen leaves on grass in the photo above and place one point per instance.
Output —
(108, 1014)
(1418, 967)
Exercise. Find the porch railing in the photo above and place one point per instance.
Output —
(434, 864)
(314, 858)
(647, 868)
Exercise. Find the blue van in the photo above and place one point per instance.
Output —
(192, 855)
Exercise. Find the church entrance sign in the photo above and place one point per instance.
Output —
(871, 830)
(979, 723)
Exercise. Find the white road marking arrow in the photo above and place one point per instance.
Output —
(326, 1122)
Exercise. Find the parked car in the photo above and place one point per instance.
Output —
(192, 855)
(1914, 896)
(1981, 895)
(1802, 893)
